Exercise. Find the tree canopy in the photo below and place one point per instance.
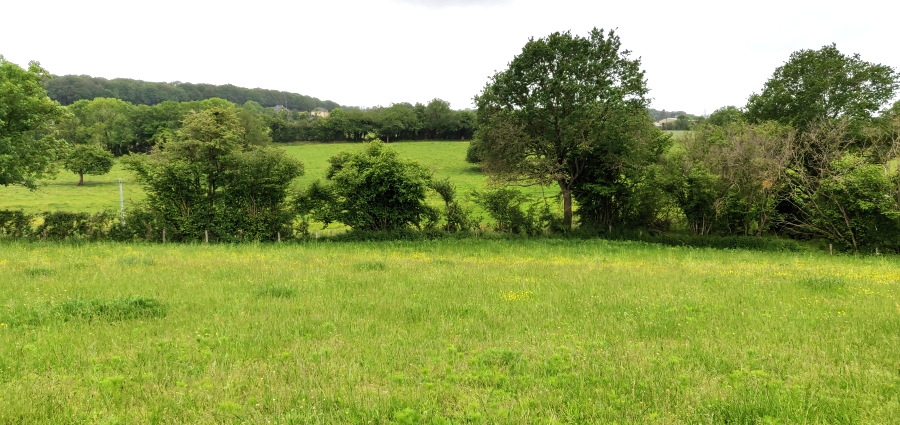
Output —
(88, 159)
(824, 84)
(559, 110)
(28, 143)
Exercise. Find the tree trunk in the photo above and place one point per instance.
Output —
(567, 206)
(80, 179)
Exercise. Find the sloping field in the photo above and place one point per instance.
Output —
(470, 331)
(446, 159)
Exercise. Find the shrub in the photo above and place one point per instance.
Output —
(849, 203)
(210, 179)
(15, 224)
(456, 217)
(63, 225)
(376, 190)
(512, 213)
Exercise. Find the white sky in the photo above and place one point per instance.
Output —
(699, 55)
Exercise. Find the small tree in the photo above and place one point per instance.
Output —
(210, 179)
(376, 190)
(458, 218)
(88, 159)
(728, 178)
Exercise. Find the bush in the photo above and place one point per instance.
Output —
(210, 179)
(456, 217)
(62, 225)
(473, 153)
(511, 212)
(15, 224)
(849, 203)
(376, 190)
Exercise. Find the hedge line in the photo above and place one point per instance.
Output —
(140, 226)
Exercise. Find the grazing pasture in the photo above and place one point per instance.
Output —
(446, 159)
(453, 331)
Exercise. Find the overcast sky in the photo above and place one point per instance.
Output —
(698, 55)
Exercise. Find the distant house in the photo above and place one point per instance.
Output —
(320, 112)
(279, 108)
(665, 121)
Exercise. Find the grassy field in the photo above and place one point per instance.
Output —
(470, 331)
(446, 159)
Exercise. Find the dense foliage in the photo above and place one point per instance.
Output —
(209, 182)
(824, 84)
(373, 189)
(813, 156)
(28, 145)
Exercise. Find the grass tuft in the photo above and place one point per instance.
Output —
(368, 266)
(823, 283)
(114, 310)
(275, 291)
(38, 271)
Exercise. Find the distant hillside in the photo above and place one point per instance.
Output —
(663, 114)
(68, 89)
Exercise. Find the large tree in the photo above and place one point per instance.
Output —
(28, 146)
(559, 109)
(824, 84)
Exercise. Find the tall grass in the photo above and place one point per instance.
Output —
(451, 331)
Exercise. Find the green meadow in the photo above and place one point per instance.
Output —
(445, 159)
(454, 331)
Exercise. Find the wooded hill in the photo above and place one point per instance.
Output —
(68, 89)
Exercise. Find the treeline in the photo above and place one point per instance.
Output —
(122, 127)
(400, 121)
(210, 180)
(68, 89)
(813, 156)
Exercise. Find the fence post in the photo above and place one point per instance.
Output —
(164, 235)
(122, 202)
(206, 236)
(278, 235)
(830, 249)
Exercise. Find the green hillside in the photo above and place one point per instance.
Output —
(446, 159)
